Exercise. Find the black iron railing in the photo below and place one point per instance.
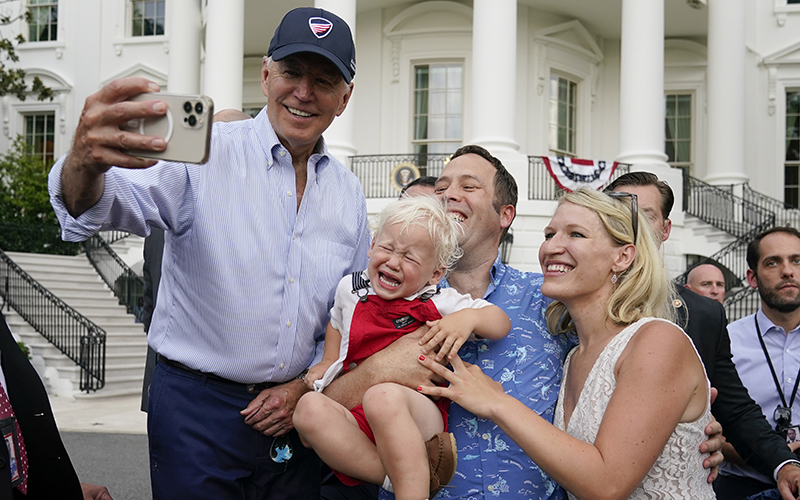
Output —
(112, 237)
(68, 330)
(740, 217)
(744, 301)
(736, 216)
(542, 186)
(784, 215)
(376, 171)
(126, 284)
(726, 211)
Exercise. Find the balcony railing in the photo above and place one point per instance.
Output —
(542, 186)
(68, 330)
(375, 171)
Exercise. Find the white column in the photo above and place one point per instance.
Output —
(185, 28)
(726, 92)
(339, 136)
(494, 74)
(641, 116)
(223, 73)
(493, 106)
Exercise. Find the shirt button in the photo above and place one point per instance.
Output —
(485, 436)
(490, 487)
(288, 193)
(288, 324)
(291, 280)
(281, 366)
(283, 152)
(293, 237)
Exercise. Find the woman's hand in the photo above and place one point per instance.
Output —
(469, 387)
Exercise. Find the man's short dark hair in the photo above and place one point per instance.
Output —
(505, 187)
(424, 181)
(753, 250)
(646, 179)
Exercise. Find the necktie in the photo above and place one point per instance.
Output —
(22, 460)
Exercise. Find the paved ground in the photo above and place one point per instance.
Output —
(107, 442)
(117, 461)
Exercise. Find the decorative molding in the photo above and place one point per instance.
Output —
(6, 113)
(541, 67)
(396, 46)
(590, 48)
(59, 52)
(426, 9)
(139, 70)
(594, 77)
(165, 46)
(62, 112)
(772, 92)
(118, 49)
(780, 19)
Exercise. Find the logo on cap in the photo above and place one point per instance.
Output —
(320, 26)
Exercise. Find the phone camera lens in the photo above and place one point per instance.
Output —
(198, 108)
(192, 120)
(187, 106)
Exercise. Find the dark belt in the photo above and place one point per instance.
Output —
(249, 388)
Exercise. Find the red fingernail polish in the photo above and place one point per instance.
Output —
(419, 387)
(421, 357)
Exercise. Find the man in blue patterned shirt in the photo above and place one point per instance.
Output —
(482, 195)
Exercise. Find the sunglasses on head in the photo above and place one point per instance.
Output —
(634, 209)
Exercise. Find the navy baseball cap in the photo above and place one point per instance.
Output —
(315, 30)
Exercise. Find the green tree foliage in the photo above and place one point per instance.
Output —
(23, 178)
(27, 221)
(12, 80)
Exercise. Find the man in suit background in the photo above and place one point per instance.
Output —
(50, 472)
(704, 320)
(708, 281)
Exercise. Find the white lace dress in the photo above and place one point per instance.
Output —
(678, 472)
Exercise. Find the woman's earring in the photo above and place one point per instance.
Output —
(614, 278)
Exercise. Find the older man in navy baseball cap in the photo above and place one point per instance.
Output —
(315, 30)
(256, 240)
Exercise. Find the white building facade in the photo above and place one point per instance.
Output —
(708, 86)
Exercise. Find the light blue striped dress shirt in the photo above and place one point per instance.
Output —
(247, 280)
(748, 356)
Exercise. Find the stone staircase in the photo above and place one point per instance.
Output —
(706, 240)
(74, 280)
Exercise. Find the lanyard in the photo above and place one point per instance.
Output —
(772, 369)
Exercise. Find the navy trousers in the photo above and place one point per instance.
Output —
(200, 447)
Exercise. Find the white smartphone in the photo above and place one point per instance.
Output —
(186, 127)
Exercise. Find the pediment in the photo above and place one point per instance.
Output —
(431, 17)
(571, 35)
(50, 79)
(786, 55)
(142, 71)
(684, 53)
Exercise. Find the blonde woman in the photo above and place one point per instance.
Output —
(635, 398)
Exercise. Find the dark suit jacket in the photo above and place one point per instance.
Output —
(50, 472)
(743, 423)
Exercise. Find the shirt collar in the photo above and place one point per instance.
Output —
(495, 277)
(272, 146)
(766, 325)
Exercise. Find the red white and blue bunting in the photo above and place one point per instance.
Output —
(572, 173)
